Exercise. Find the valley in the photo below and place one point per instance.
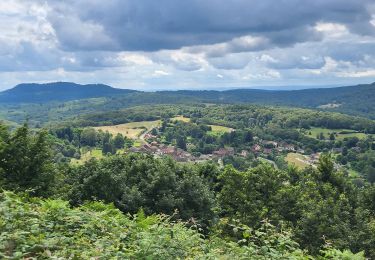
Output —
(169, 129)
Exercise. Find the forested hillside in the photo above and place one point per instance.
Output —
(32, 99)
(58, 91)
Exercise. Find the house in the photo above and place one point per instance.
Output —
(168, 150)
(267, 150)
(224, 152)
(244, 153)
(290, 147)
(149, 136)
(134, 150)
(357, 149)
(337, 150)
(314, 158)
(256, 148)
(270, 143)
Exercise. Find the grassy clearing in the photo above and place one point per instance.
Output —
(218, 129)
(297, 159)
(353, 173)
(96, 153)
(131, 130)
(329, 105)
(315, 131)
(180, 118)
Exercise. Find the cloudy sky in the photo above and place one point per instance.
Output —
(188, 44)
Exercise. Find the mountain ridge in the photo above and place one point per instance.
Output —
(57, 91)
(354, 100)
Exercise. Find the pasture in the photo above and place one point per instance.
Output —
(180, 118)
(131, 130)
(218, 129)
(297, 159)
(340, 134)
(87, 155)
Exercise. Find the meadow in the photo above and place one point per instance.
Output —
(340, 134)
(218, 129)
(297, 160)
(131, 130)
(181, 118)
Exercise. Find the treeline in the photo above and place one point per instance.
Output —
(200, 137)
(236, 116)
(241, 116)
(317, 208)
(70, 139)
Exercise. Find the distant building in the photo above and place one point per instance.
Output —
(256, 148)
(224, 152)
(244, 153)
(289, 147)
(271, 143)
(357, 149)
(267, 150)
(168, 150)
(337, 150)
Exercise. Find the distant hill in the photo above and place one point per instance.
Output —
(57, 91)
(354, 100)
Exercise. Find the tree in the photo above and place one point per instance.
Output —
(119, 141)
(181, 142)
(325, 167)
(26, 162)
(89, 137)
(137, 181)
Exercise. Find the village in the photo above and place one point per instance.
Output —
(260, 149)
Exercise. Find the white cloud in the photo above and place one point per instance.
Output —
(332, 30)
(94, 41)
(159, 73)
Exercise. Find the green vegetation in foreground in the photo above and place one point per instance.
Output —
(46, 228)
(339, 134)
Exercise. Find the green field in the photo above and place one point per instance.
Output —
(297, 159)
(218, 129)
(131, 130)
(315, 131)
(180, 118)
(96, 153)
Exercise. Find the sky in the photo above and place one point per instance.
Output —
(188, 44)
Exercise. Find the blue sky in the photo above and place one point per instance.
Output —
(188, 44)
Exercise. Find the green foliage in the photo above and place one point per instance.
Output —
(45, 229)
(26, 161)
(140, 181)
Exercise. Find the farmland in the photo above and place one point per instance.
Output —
(131, 130)
(218, 129)
(87, 155)
(297, 160)
(180, 118)
(340, 134)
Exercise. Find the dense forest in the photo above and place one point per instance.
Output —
(53, 102)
